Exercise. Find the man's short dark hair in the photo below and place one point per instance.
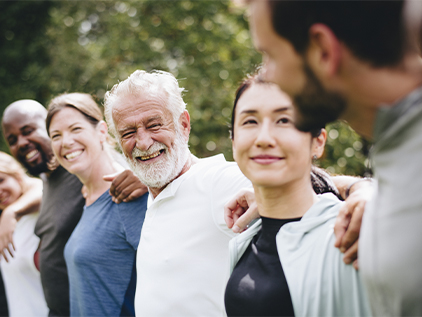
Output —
(372, 30)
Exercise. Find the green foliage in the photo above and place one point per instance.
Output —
(89, 46)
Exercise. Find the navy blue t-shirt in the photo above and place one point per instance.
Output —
(100, 257)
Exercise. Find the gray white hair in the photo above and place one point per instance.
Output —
(160, 84)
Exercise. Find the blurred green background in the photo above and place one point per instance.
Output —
(51, 47)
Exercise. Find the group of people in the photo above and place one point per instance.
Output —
(100, 236)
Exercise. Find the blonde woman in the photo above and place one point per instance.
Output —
(100, 253)
(21, 277)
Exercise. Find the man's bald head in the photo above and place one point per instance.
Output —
(24, 107)
(24, 130)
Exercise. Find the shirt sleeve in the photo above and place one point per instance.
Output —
(132, 215)
(227, 181)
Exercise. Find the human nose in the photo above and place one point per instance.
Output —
(22, 142)
(143, 140)
(67, 140)
(265, 137)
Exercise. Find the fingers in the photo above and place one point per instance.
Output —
(231, 214)
(356, 264)
(236, 206)
(126, 187)
(110, 177)
(9, 254)
(242, 222)
(3, 255)
(135, 194)
(115, 180)
(341, 224)
(241, 210)
(230, 208)
(352, 234)
(351, 254)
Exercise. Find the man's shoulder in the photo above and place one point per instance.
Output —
(216, 169)
(215, 164)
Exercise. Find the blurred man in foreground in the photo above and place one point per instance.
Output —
(353, 60)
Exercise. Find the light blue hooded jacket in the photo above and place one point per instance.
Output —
(320, 283)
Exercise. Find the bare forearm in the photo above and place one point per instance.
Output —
(29, 202)
(348, 184)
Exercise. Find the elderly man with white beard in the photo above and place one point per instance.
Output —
(182, 260)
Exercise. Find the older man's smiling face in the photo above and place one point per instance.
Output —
(154, 145)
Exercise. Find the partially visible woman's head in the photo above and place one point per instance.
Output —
(84, 103)
(78, 133)
(12, 180)
(268, 148)
(256, 80)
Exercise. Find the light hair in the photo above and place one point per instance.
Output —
(84, 103)
(159, 84)
(9, 166)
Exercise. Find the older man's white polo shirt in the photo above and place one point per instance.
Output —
(182, 261)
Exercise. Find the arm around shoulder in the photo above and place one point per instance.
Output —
(28, 202)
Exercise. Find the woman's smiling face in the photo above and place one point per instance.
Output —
(269, 150)
(10, 190)
(75, 141)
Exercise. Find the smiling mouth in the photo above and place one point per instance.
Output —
(149, 157)
(31, 154)
(4, 199)
(73, 155)
(266, 159)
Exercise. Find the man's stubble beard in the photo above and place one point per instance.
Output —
(40, 168)
(315, 107)
(161, 173)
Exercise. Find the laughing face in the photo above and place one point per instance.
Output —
(10, 190)
(24, 130)
(154, 145)
(76, 143)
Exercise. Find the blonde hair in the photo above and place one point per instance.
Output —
(9, 166)
(82, 102)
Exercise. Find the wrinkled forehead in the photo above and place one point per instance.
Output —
(138, 103)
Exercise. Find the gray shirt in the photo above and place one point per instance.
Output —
(61, 208)
(390, 245)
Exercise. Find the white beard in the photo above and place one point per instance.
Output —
(166, 169)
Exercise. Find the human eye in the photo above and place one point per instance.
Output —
(55, 136)
(249, 121)
(1, 180)
(27, 131)
(284, 120)
(127, 134)
(76, 129)
(11, 140)
(154, 126)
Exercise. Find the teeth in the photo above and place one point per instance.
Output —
(3, 198)
(31, 154)
(73, 154)
(145, 158)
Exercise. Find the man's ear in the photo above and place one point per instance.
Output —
(184, 121)
(324, 51)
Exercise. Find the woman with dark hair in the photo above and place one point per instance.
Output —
(286, 264)
(100, 253)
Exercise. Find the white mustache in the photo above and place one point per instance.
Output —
(157, 146)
